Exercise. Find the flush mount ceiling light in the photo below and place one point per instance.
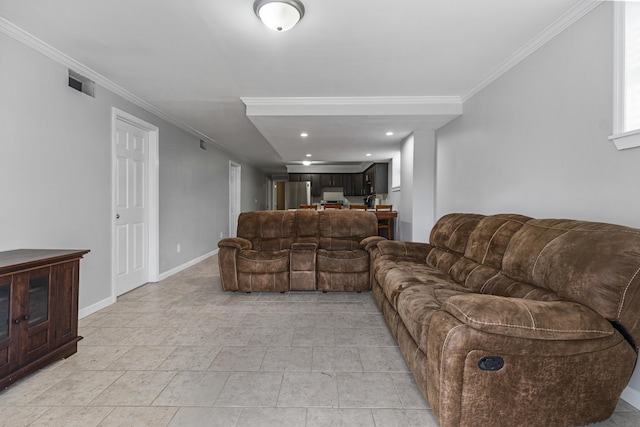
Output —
(279, 15)
(306, 162)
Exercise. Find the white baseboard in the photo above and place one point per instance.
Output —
(632, 397)
(84, 312)
(186, 265)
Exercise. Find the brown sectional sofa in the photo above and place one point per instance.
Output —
(299, 250)
(506, 320)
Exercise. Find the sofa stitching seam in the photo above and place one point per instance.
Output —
(534, 328)
(624, 294)
(454, 232)
(535, 264)
(582, 230)
(470, 273)
(486, 283)
(444, 345)
(533, 321)
(491, 240)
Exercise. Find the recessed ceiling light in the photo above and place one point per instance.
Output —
(389, 133)
(306, 162)
(308, 155)
(304, 134)
(368, 154)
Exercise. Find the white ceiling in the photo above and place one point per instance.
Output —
(400, 65)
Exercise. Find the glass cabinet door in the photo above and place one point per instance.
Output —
(38, 299)
(5, 300)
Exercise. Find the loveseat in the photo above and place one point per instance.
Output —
(283, 250)
(506, 320)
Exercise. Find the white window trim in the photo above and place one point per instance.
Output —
(630, 139)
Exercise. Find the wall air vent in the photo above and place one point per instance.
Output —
(203, 144)
(81, 83)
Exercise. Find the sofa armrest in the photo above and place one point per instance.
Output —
(304, 247)
(531, 319)
(235, 242)
(415, 250)
(369, 243)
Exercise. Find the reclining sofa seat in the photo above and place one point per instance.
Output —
(299, 250)
(505, 320)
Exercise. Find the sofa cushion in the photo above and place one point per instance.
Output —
(343, 261)
(507, 287)
(267, 230)
(342, 230)
(417, 305)
(516, 317)
(399, 274)
(263, 261)
(306, 226)
(488, 241)
(575, 260)
(452, 231)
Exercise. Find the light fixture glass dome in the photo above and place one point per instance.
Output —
(279, 15)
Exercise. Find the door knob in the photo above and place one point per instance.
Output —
(117, 216)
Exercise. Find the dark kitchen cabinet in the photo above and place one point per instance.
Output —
(376, 178)
(353, 184)
(38, 309)
(357, 184)
(332, 179)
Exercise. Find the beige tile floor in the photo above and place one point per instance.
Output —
(183, 353)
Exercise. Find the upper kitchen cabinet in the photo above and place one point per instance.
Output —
(332, 179)
(354, 184)
(298, 177)
(376, 178)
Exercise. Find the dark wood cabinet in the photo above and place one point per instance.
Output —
(38, 309)
(326, 180)
(298, 177)
(373, 179)
(333, 179)
(376, 178)
(357, 184)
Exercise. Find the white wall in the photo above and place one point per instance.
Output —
(535, 141)
(415, 201)
(405, 202)
(55, 173)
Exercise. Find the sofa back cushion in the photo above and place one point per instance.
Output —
(449, 237)
(478, 267)
(342, 230)
(594, 264)
(306, 226)
(267, 230)
(488, 241)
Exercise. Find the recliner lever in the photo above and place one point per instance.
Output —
(491, 363)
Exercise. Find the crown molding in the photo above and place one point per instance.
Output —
(354, 106)
(61, 58)
(362, 100)
(559, 25)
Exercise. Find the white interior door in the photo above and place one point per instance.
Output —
(131, 206)
(234, 197)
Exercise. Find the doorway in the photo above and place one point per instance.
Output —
(234, 197)
(134, 202)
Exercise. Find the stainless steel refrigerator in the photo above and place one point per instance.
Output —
(296, 194)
